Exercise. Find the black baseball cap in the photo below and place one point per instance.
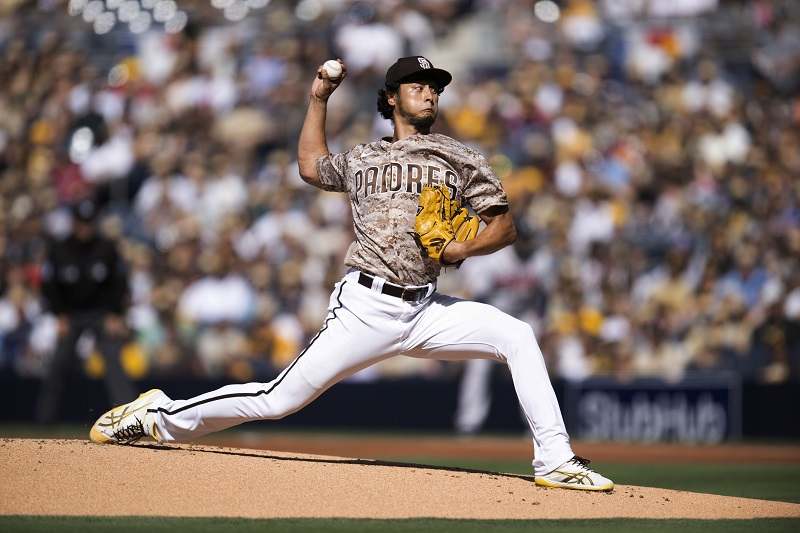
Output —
(407, 68)
(84, 210)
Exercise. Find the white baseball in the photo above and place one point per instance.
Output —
(333, 69)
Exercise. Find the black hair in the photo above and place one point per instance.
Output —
(386, 109)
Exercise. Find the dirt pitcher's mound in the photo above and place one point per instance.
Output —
(71, 477)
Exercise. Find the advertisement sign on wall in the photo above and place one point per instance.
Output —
(690, 411)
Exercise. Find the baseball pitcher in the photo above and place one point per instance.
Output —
(411, 196)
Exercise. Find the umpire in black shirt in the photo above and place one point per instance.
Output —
(85, 285)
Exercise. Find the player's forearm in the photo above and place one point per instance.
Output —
(312, 144)
(499, 233)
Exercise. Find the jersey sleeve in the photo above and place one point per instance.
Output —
(482, 188)
(332, 172)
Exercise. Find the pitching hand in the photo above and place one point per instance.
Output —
(323, 86)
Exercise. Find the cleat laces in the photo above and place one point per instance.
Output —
(580, 461)
(130, 433)
(585, 475)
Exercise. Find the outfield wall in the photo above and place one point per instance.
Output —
(689, 411)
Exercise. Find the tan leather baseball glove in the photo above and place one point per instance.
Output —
(441, 220)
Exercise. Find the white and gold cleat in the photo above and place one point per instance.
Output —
(575, 474)
(127, 423)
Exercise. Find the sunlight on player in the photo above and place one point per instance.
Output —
(387, 305)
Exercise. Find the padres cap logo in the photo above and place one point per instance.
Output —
(407, 67)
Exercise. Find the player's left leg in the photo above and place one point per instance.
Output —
(454, 329)
(362, 327)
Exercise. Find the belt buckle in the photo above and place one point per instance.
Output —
(414, 295)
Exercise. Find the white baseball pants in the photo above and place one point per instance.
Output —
(364, 326)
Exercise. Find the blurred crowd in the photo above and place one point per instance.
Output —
(650, 155)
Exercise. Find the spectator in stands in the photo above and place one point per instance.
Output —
(629, 144)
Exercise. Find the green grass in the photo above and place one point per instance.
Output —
(763, 481)
(238, 525)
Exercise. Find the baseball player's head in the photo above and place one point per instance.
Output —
(411, 92)
(84, 215)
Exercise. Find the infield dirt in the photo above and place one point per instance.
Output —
(74, 477)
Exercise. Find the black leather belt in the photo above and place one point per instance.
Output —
(408, 295)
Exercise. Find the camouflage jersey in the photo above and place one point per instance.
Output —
(384, 179)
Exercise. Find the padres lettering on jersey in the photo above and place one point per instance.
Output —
(384, 179)
(396, 177)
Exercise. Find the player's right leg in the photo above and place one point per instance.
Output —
(360, 329)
